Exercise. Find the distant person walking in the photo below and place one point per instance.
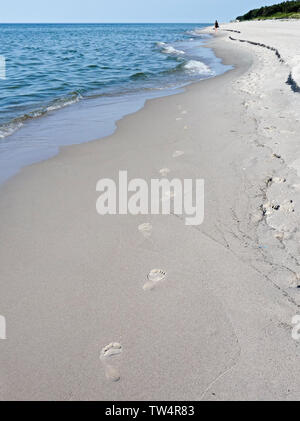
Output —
(216, 25)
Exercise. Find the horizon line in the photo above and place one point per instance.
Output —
(93, 23)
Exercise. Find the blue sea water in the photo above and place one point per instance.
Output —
(69, 83)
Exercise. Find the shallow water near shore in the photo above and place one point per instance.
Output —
(69, 84)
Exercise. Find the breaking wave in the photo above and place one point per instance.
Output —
(168, 49)
(198, 67)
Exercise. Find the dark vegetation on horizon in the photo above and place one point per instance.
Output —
(285, 10)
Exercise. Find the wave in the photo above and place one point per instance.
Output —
(193, 68)
(168, 49)
(64, 102)
(197, 33)
(193, 33)
(177, 67)
(139, 75)
(9, 128)
(198, 67)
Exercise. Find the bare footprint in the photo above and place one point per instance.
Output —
(113, 349)
(177, 154)
(154, 276)
(295, 281)
(145, 229)
(2, 327)
(168, 195)
(164, 171)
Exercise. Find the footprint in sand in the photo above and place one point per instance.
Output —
(267, 209)
(168, 195)
(177, 154)
(107, 353)
(279, 180)
(2, 327)
(269, 181)
(145, 229)
(257, 217)
(288, 206)
(154, 277)
(279, 236)
(295, 281)
(164, 171)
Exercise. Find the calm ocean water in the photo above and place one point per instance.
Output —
(68, 83)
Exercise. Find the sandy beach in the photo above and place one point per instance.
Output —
(219, 325)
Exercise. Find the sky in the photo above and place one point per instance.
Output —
(126, 10)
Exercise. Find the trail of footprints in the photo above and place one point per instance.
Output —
(110, 353)
(272, 206)
(269, 207)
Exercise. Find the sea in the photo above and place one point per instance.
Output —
(62, 84)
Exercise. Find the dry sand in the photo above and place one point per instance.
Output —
(218, 326)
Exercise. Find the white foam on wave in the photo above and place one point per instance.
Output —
(9, 128)
(171, 50)
(196, 32)
(198, 67)
(168, 49)
(61, 104)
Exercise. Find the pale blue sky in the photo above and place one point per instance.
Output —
(125, 10)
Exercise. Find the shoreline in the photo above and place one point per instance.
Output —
(180, 90)
(89, 118)
(219, 326)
